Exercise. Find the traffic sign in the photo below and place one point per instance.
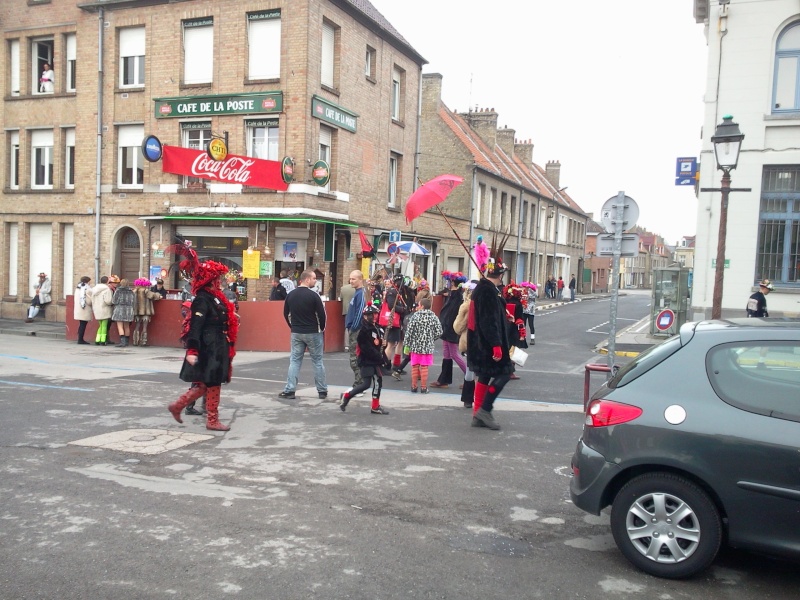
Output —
(665, 319)
(630, 244)
(394, 235)
(630, 213)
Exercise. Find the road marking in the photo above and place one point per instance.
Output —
(41, 385)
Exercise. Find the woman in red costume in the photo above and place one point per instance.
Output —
(211, 339)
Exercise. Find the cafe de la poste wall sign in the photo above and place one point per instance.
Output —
(200, 106)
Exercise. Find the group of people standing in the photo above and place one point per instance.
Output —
(554, 288)
(114, 300)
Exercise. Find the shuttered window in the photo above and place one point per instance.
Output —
(264, 41)
(328, 54)
(198, 51)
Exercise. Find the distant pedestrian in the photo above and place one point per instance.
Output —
(286, 281)
(159, 288)
(124, 306)
(371, 360)
(572, 288)
(41, 297)
(305, 315)
(529, 311)
(346, 293)
(450, 353)
(278, 292)
(82, 310)
(102, 308)
(143, 309)
(515, 313)
(354, 319)
(422, 330)
(560, 288)
(757, 304)
(460, 327)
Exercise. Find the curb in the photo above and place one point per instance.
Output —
(51, 335)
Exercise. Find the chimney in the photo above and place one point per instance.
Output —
(505, 139)
(431, 93)
(524, 151)
(552, 171)
(484, 123)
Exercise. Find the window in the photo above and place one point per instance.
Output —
(13, 160)
(196, 136)
(369, 63)
(130, 166)
(41, 55)
(42, 159)
(71, 43)
(326, 135)
(198, 51)
(264, 44)
(398, 84)
(479, 203)
(753, 376)
(394, 181)
(329, 54)
(503, 208)
(262, 139)
(778, 248)
(69, 158)
(131, 57)
(490, 208)
(13, 52)
(786, 88)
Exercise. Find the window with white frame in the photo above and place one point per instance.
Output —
(326, 135)
(13, 54)
(196, 136)
(370, 63)
(12, 266)
(264, 44)
(398, 82)
(42, 159)
(71, 43)
(130, 164)
(490, 207)
(262, 139)
(198, 50)
(778, 250)
(395, 168)
(41, 55)
(13, 160)
(479, 202)
(328, 73)
(131, 57)
(69, 158)
(786, 87)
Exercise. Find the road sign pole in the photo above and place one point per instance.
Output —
(618, 218)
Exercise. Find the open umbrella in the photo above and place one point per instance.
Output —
(430, 194)
(412, 248)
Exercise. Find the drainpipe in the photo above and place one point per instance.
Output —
(472, 218)
(419, 132)
(99, 158)
(536, 247)
(519, 234)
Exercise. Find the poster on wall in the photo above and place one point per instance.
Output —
(155, 273)
(250, 264)
(265, 268)
(290, 251)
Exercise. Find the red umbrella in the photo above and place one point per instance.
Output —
(430, 194)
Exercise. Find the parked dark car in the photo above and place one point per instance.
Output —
(696, 443)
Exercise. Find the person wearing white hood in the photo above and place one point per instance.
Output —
(83, 306)
(41, 297)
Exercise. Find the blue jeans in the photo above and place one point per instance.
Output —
(572, 294)
(301, 341)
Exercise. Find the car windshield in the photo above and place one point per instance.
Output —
(645, 361)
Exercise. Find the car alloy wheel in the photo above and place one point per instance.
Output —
(666, 525)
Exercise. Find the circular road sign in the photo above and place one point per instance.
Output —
(630, 214)
(665, 319)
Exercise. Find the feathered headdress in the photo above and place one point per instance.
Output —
(141, 282)
(495, 265)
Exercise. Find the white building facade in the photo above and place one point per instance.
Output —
(753, 75)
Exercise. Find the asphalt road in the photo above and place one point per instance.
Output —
(298, 500)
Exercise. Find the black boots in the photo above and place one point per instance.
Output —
(468, 393)
(123, 341)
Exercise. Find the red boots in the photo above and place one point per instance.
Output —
(192, 394)
(212, 408)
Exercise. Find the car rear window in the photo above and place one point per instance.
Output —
(645, 361)
(759, 377)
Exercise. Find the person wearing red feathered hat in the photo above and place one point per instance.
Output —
(210, 339)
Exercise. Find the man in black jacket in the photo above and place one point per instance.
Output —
(305, 315)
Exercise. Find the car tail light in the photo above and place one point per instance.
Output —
(604, 413)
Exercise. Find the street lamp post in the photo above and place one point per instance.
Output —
(727, 140)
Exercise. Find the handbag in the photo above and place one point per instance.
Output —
(387, 317)
(518, 355)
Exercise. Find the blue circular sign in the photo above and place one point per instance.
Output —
(152, 148)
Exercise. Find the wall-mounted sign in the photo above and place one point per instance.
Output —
(321, 173)
(198, 106)
(246, 170)
(287, 169)
(335, 115)
(217, 149)
(151, 148)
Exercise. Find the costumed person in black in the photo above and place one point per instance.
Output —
(514, 296)
(487, 339)
(371, 359)
(393, 307)
(757, 304)
(211, 339)
(447, 317)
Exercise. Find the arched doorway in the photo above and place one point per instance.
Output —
(130, 252)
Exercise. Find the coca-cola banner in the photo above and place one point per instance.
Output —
(246, 170)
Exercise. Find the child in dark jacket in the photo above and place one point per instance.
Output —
(370, 359)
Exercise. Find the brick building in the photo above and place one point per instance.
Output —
(600, 267)
(287, 84)
(504, 190)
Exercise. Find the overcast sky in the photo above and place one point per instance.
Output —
(592, 84)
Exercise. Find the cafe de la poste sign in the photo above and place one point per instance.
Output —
(200, 106)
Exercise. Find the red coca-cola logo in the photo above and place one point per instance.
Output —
(235, 169)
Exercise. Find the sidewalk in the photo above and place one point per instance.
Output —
(54, 330)
(632, 340)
